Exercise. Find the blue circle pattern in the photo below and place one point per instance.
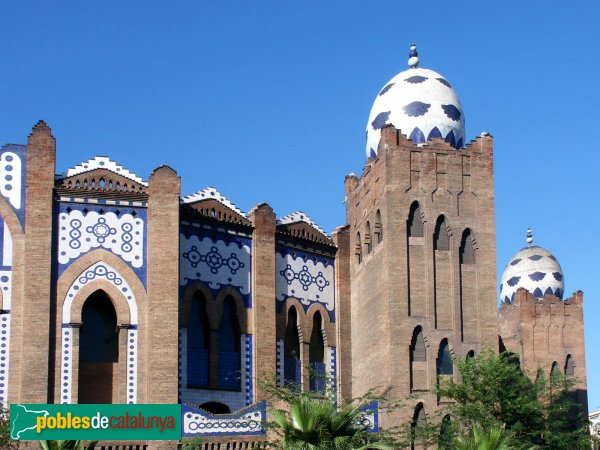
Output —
(100, 271)
(75, 234)
(127, 237)
(203, 423)
(66, 367)
(305, 278)
(101, 230)
(214, 260)
(3, 365)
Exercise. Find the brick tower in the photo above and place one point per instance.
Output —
(422, 239)
(535, 323)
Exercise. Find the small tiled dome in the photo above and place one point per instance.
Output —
(535, 269)
(419, 102)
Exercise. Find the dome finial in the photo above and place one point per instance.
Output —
(529, 236)
(413, 57)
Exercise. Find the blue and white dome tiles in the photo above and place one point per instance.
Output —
(419, 102)
(535, 269)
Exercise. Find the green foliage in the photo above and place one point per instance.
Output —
(495, 438)
(68, 445)
(195, 443)
(445, 439)
(495, 393)
(566, 427)
(595, 442)
(5, 441)
(312, 421)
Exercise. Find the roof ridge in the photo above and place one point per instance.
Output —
(102, 162)
(301, 216)
(213, 193)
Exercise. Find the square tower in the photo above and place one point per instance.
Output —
(422, 265)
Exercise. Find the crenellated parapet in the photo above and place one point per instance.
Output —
(547, 334)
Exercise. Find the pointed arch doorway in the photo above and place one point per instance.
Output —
(98, 350)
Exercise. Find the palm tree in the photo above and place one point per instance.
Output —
(316, 424)
(496, 438)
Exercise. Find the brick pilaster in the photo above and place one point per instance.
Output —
(263, 295)
(341, 237)
(161, 365)
(32, 311)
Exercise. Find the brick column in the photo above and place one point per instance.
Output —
(482, 169)
(305, 358)
(263, 295)
(120, 372)
(75, 332)
(341, 237)
(160, 367)
(33, 326)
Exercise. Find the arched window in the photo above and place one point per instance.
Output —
(444, 360)
(416, 289)
(215, 408)
(446, 438)
(417, 346)
(98, 338)
(292, 366)
(418, 425)
(358, 250)
(378, 227)
(467, 250)
(470, 355)
(198, 343)
(569, 366)
(467, 287)
(554, 372)
(98, 349)
(415, 221)
(368, 240)
(441, 239)
(229, 347)
(418, 361)
(317, 355)
(501, 346)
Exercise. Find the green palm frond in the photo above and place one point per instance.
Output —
(317, 424)
(495, 438)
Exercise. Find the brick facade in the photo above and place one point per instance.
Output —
(414, 267)
(545, 334)
(403, 281)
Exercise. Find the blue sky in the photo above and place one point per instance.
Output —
(268, 101)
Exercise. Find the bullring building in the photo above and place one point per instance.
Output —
(119, 289)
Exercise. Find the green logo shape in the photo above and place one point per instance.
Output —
(95, 422)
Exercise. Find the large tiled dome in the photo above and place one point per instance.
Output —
(535, 269)
(419, 102)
